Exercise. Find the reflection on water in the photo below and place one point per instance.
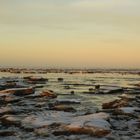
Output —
(80, 83)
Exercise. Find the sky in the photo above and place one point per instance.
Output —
(70, 33)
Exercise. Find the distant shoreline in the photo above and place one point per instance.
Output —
(69, 70)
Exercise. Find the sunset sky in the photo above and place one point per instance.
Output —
(70, 33)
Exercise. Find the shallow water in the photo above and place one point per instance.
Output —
(79, 83)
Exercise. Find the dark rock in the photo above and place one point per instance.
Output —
(104, 90)
(11, 99)
(123, 96)
(97, 87)
(130, 111)
(133, 124)
(94, 125)
(48, 94)
(9, 120)
(35, 80)
(111, 89)
(114, 91)
(60, 79)
(91, 89)
(64, 108)
(136, 137)
(39, 86)
(138, 97)
(5, 110)
(18, 91)
(8, 85)
(116, 104)
(6, 133)
(5, 99)
(40, 104)
(100, 115)
(27, 77)
(72, 92)
(46, 119)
